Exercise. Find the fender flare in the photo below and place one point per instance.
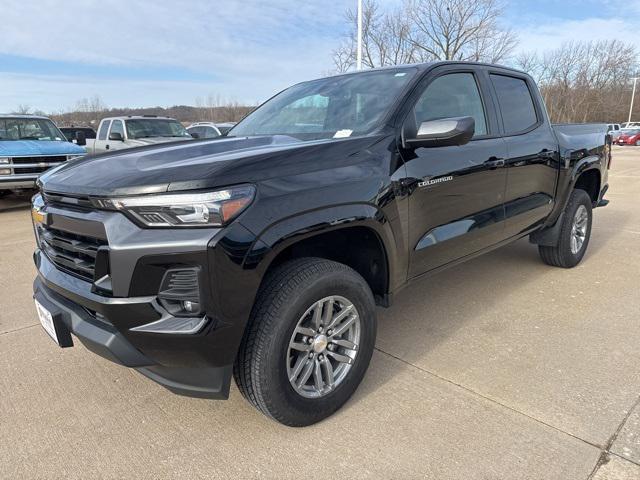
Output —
(280, 235)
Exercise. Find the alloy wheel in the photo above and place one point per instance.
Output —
(323, 347)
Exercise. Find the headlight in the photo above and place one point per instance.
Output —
(4, 160)
(210, 209)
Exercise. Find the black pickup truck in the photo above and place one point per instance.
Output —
(262, 255)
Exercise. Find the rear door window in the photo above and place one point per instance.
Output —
(516, 103)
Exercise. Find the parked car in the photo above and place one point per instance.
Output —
(71, 133)
(628, 125)
(629, 136)
(30, 145)
(262, 255)
(118, 133)
(209, 129)
(613, 127)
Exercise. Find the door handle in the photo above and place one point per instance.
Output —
(494, 162)
(106, 147)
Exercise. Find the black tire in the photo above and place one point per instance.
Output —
(562, 255)
(287, 292)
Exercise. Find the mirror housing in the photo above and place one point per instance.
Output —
(116, 137)
(444, 132)
(81, 138)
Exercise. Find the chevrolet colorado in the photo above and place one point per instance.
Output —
(261, 255)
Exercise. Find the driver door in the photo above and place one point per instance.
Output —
(456, 206)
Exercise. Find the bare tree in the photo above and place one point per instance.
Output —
(584, 81)
(424, 30)
(461, 30)
(23, 109)
(386, 38)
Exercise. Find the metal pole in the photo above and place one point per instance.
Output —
(633, 94)
(359, 44)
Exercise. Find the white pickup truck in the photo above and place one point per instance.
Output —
(117, 133)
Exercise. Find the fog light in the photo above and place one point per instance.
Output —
(179, 292)
(5, 171)
(189, 306)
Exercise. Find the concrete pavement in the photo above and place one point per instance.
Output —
(499, 368)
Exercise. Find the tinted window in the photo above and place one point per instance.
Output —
(334, 107)
(453, 95)
(516, 104)
(104, 128)
(117, 127)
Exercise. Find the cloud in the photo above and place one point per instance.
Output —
(251, 48)
(553, 33)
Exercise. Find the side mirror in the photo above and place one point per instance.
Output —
(116, 137)
(81, 138)
(444, 132)
(194, 135)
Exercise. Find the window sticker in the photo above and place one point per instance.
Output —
(343, 133)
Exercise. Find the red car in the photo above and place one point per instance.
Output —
(629, 137)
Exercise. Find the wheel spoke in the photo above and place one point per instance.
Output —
(340, 358)
(344, 326)
(345, 343)
(301, 347)
(338, 318)
(328, 371)
(328, 312)
(309, 332)
(297, 368)
(317, 315)
(306, 373)
(317, 376)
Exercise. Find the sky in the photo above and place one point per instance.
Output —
(143, 53)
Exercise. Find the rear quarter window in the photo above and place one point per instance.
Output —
(516, 103)
(104, 128)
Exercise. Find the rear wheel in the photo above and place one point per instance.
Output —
(309, 342)
(574, 233)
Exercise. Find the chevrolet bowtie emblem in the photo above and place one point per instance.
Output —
(38, 215)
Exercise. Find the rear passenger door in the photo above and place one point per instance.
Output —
(456, 203)
(532, 152)
(102, 137)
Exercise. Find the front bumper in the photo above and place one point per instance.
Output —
(73, 306)
(17, 182)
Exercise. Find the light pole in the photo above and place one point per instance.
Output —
(633, 94)
(359, 42)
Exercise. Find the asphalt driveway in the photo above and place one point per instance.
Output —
(500, 368)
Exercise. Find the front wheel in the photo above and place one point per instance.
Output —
(574, 233)
(309, 341)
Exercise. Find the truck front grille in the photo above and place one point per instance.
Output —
(35, 165)
(73, 253)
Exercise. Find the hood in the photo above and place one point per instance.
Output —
(26, 148)
(141, 142)
(197, 164)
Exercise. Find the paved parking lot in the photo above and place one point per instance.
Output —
(496, 369)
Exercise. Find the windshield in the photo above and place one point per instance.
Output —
(334, 107)
(29, 129)
(145, 128)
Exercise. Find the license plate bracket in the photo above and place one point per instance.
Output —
(52, 323)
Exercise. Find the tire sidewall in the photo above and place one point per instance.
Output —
(273, 374)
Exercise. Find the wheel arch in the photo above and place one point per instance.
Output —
(357, 235)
